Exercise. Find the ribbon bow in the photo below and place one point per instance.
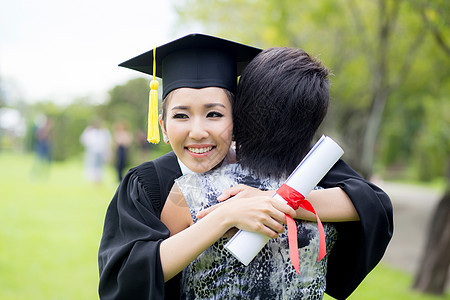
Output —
(295, 200)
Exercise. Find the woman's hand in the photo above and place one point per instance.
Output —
(261, 214)
(243, 191)
(239, 191)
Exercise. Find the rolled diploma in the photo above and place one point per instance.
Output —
(244, 245)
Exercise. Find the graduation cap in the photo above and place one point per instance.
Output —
(193, 61)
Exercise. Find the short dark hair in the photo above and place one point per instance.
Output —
(281, 100)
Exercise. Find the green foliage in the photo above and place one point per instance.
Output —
(128, 102)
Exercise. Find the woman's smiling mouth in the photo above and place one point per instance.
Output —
(199, 150)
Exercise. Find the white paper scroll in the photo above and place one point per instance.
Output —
(244, 245)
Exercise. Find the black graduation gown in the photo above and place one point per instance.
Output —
(360, 245)
(129, 261)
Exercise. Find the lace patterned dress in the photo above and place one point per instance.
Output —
(216, 274)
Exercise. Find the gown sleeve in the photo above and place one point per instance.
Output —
(360, 245)
(129, 261)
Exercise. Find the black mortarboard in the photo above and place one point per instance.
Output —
(193, 61)
(196, 61)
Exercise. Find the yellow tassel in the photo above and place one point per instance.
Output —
(153, 129)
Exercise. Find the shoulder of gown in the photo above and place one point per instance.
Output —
(360, 245)
(128, 257)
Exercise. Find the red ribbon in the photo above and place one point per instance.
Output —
(295, 200)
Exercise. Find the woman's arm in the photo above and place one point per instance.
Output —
(332, 205)
(261, 214)
(175, 214)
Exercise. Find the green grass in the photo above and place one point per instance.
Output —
(51, 226)
(386, 283)
(50, 229)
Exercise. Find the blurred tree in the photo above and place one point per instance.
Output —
(129, 102)
(382, 53)
(71, 123)
(435, 14)
(384, 79)
(432, 275)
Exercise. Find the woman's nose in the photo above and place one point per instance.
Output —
(198, 130)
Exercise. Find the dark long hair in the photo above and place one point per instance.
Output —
(281, 99)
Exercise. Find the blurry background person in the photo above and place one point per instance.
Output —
(144, 147)
(122, 141)
(42, 143)
(97, 143)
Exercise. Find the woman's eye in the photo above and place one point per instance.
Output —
(179, 116)
(214, 114)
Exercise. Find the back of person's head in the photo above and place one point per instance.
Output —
(282, 98)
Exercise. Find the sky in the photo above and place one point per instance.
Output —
(60, 50)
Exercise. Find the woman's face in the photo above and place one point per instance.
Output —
(199, 126)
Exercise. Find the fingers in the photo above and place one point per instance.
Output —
(264, 215)
(267, 231)
(244, 191)
(274, 226)
(270, 227)
(276, 209)
(202, 213)
(283, 207)
(232, 191)
(206, 211)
